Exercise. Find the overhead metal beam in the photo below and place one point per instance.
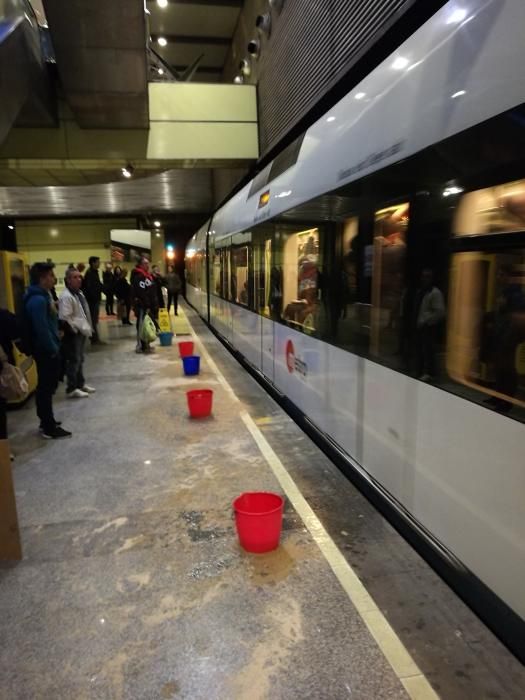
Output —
(207, 3)
(193, 40)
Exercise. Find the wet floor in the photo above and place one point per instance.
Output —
(133, 584)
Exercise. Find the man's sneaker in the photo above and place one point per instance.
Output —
(41, 427)
(88, 389)
(77, 394)
(56, 433)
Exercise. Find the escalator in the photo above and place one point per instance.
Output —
(26, 92)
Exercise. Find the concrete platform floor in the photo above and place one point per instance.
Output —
(133, 585)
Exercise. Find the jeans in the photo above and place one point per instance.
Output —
(3, 419)
(73, 349)
(48, 369)
(109, 303)
(141, 345)
(173, 297)
(94, 308)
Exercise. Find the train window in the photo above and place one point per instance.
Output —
(239, 275)
(295, 278)
(499, 209)
(388, 280)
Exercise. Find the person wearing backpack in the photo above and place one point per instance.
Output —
(144, 290)
(92, 288)
(41, 319)
(174, 285)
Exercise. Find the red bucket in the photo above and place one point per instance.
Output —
(199, 402)
(186, 348)
(259, 519)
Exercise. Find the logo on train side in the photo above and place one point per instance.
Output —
(290, 356)
(293, 363)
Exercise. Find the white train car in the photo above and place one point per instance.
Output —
(374, 274)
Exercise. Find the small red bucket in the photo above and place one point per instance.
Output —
(199, 402)
(186, 348)
(259, 519)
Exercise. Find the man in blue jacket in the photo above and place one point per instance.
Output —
(41, 317)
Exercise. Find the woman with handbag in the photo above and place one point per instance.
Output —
(10, 376)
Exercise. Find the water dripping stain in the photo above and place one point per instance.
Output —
(169, 690)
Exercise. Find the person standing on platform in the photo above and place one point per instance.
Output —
(108, 281)
(9, 332)
(144, 290)
(74, 314)
(92, 288)
(160, 282)
(174, 285)
(41, 318)
(123, 294)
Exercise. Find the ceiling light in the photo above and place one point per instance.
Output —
(254, 47)
(286, 193)
(359, 95)
(162, 41)
(157, 234)
(53, 232)
(458, 15)
(160, 71)
(330, 119)
(128, 171)
(162, 3)
(453, 189)
(156, 224)
(11, 227)
(400, 63)
(459, 93)
(238, 80)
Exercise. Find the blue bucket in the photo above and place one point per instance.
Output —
(165, 339)
(191, 365)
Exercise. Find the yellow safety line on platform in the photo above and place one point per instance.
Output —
(393, 649)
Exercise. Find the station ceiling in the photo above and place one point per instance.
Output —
(187, 190)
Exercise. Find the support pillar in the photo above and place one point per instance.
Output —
(10, 545)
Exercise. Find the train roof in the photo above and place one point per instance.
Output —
(460, 68)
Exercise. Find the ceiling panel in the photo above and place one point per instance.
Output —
(193, 20)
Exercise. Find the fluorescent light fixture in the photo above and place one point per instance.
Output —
(156, 223)
(330, 119)
(453, 189)
(400, 63)
(162, 41)
(458, 15)
(459, 93)
(162, 3)
(359, 95)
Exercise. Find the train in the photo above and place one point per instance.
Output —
(373, 276)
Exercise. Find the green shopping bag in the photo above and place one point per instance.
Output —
(148, 332)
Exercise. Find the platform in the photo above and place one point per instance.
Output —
(133, 585)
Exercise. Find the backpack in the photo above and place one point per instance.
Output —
(25, 340)
(13, 384)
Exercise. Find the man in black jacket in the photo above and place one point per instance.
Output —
(92, 289)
